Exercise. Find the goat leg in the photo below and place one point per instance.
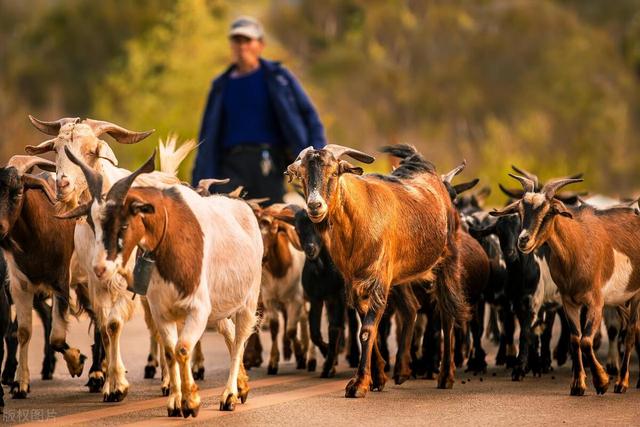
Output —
(359, 385)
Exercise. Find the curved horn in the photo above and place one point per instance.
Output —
(52, 128)
(528, 175)
(514, 193)
(94, 179)
(292, 169)
(77, 212)
(448, 177)
(24, 164)
(120, 189)
(339, 151)
(528, 185)
(465, 186)
(120, 134)
(43, 147)
(205, 184)
(550, 188)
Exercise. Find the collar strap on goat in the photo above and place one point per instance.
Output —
(145, 264)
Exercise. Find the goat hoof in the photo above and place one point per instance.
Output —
(165, 390)
(21, 394)
(612, 369)
(517, 374)
(311, 365)
(399, 379)
(577, 390)
(301, 363)
(189, 412)
(16, 393)
(175, 412)
(355, 389)
(243, 396)
(272, 370)
(199, 374)
(96, 382)
(328, 373)
(619, 388)
(149, 372)
(116, 396)
(445, 382)
(638, 385)
(229, 404)
(602, 388)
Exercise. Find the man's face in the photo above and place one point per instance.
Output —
(246, 50)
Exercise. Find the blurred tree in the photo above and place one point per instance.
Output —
(531, 82)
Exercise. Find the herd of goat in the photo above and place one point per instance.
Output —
(366, 248)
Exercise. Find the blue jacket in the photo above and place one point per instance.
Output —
(298, 118)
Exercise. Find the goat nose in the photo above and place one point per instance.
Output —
(314, 205)
(62, 182)
(524, 238)
(99, 270)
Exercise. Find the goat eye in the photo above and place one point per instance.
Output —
(334, 174)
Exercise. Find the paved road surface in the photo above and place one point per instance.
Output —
(299, 398)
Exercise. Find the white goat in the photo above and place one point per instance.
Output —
(208, 252)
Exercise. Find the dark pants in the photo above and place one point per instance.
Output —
(242, 165)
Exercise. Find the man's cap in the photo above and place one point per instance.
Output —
(246, 26)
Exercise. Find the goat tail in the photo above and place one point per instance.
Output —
(170, 156)
(451, 301)
(450, 296)
(411, 161)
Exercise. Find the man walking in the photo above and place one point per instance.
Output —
(256, 121)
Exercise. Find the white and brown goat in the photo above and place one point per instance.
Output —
(594, 260)
(208, 253)
(281, 288)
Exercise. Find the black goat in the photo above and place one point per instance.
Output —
(323, 286)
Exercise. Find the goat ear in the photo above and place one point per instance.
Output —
(77, 212)
(287, 214)
(105, 152)
(346, 167)
(558, 208)
(293, 237)
(507, 210)
(482, 232)
(139, 207)
(31, 181)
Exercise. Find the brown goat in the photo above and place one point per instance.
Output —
(383, 231)
(595, 260)
(38, 249)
